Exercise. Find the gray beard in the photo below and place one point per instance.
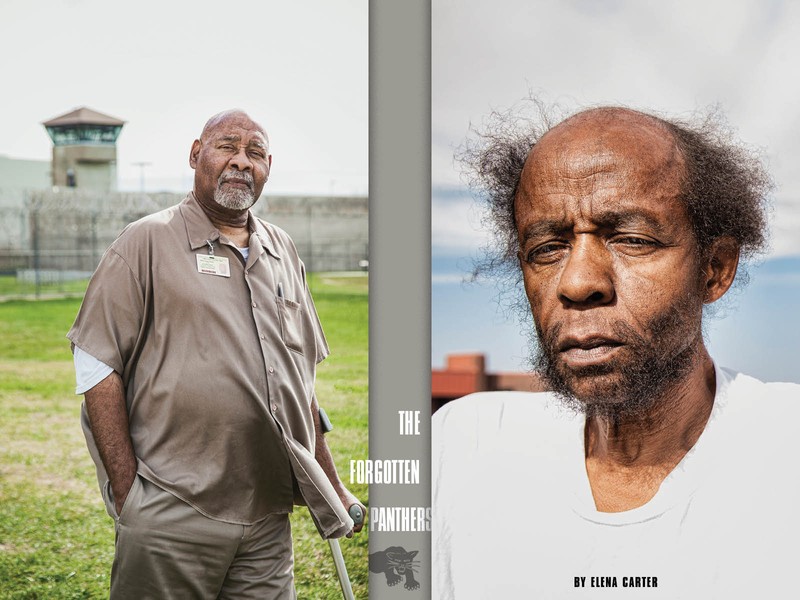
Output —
(629, 387)
(234, 199)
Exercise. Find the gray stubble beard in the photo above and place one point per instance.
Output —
(654, 365)
(234, 198)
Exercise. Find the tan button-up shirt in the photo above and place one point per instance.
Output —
(219, 371)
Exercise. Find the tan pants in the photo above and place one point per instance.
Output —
(166, 549)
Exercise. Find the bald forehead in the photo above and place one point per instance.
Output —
(600, 134)
(232, 119)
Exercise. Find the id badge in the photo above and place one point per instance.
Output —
(209, 264)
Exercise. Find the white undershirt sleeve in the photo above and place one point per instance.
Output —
(88, 371)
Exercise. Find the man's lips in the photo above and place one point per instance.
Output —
(587, 350)
(239, 182)
(586, 342)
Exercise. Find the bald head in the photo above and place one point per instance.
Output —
(234, 116)
(611, 116)
(591, 143)
(612, 124)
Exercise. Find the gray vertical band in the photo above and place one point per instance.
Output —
(399, 269)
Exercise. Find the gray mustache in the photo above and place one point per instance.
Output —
(244, 177)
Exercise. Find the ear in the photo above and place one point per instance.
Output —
(194, 153)
(413, 553)
(722, 259)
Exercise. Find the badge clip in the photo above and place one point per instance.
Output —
(208, 264)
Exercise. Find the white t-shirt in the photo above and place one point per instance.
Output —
(513, 514)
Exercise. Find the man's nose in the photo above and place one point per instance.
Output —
(587, 279)
(241, 161)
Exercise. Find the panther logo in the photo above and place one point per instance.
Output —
(395, 563)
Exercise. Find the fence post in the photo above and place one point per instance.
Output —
(36, 252)
(95, 260)
(309, 217)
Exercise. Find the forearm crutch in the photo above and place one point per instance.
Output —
(358, 517)
(338, 559)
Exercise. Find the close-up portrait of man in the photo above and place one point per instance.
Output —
(647, 464)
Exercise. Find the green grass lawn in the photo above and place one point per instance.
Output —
(10, 287)
(56, 540)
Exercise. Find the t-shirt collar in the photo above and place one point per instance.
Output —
(687, 475)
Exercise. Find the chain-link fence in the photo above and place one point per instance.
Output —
(51, 242)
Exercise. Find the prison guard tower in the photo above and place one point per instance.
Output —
(84, 149)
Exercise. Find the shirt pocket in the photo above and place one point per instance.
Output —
(291, 316)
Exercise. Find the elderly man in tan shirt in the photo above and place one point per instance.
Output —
(196, 348)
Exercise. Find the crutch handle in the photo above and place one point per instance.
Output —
(356, 514)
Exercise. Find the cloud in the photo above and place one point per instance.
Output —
(456, 223)
(784, 227)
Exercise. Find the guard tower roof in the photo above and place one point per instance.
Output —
(83, 116)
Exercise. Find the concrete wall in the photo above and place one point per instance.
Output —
(17, 174)
(331, 233)
(70, 229)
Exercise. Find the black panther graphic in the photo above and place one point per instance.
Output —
(395, 562)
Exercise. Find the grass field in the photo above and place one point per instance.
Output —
(56, 540)
(11, 288)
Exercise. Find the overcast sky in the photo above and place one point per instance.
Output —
(670, 57)
(300, 68)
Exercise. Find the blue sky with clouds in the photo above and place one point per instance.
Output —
(669, 57)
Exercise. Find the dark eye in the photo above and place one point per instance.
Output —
(636, 245)
(546, 253)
